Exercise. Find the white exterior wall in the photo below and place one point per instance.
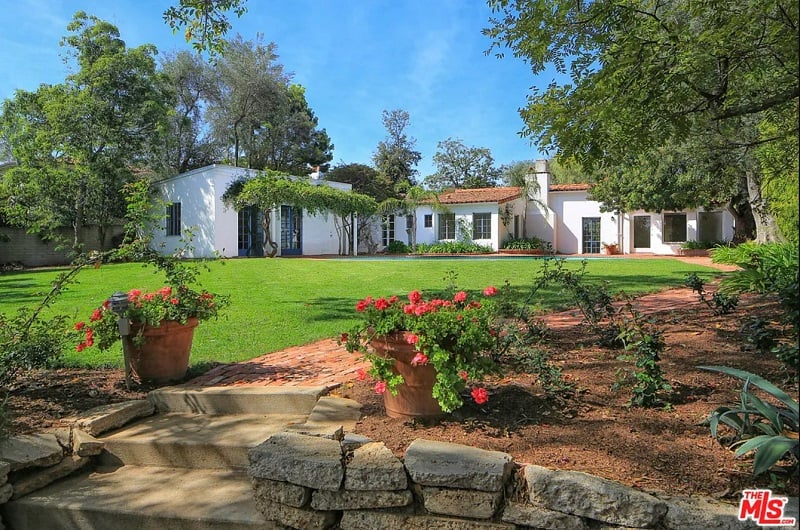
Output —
(319, 234)
(463, 214)
(570, 208)
(216, 227)
(657, 245)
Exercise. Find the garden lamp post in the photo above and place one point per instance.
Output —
(119, 303)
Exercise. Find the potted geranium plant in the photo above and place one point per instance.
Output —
(157, 328)
(425, 351)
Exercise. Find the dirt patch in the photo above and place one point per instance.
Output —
(664, 449)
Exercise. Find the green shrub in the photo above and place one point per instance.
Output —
(528, 243)
(758, 425)
(453, 247)
(702, 245)
(770, 269)
(644, 343)
(397, 247)
(758, 335)
(721, 303)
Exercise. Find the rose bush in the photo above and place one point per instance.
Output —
(458, 336)
(167, 303)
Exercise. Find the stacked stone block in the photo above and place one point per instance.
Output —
(30, 462)
(308, 482)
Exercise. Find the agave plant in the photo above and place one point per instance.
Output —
(760, 426)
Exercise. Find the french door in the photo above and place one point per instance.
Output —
(291, 231)
(591, 235)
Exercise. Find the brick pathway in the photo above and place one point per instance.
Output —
(324, 363)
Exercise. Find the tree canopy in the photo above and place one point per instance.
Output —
(395, 156)
(649, 80)
(364, 179)
(460, 166)
(76, 143)
(205, 21)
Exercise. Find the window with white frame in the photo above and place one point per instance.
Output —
(388, 230)
(481, 226)
(674, 227)
(447, 226)
(173, 219)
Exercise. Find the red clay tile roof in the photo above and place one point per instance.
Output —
(569, 187)
(462, 196)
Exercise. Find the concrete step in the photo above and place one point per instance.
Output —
(237, 399)
(141, 498)
(192, 440)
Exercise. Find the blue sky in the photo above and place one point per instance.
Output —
(355, 58)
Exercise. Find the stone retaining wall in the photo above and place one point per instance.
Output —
(315, 483)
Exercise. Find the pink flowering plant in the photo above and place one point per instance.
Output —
(167, 303)
(458, 335)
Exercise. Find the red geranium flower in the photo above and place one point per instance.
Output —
(382, 304)
(361, 374)
(420, 359)
(380, 387)
(460, 297)
(412, 339)
(415, 297)
(480, 395)
(490, 291)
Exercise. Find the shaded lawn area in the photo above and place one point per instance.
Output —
(276, 303)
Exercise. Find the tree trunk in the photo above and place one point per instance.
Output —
(266, 226)
(739, 207)
(766, 226)
(80, 206)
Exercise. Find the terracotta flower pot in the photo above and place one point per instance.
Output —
(164, 355)
(414, 397)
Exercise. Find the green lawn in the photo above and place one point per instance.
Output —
(277, 303)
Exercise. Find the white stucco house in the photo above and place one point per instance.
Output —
(194, 200)
(562, 214)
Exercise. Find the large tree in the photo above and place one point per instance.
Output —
(648, 76)
(364, 179)
(76, 143)
(461, 166)
(262, 119)
(395, 157)
(188, 143)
